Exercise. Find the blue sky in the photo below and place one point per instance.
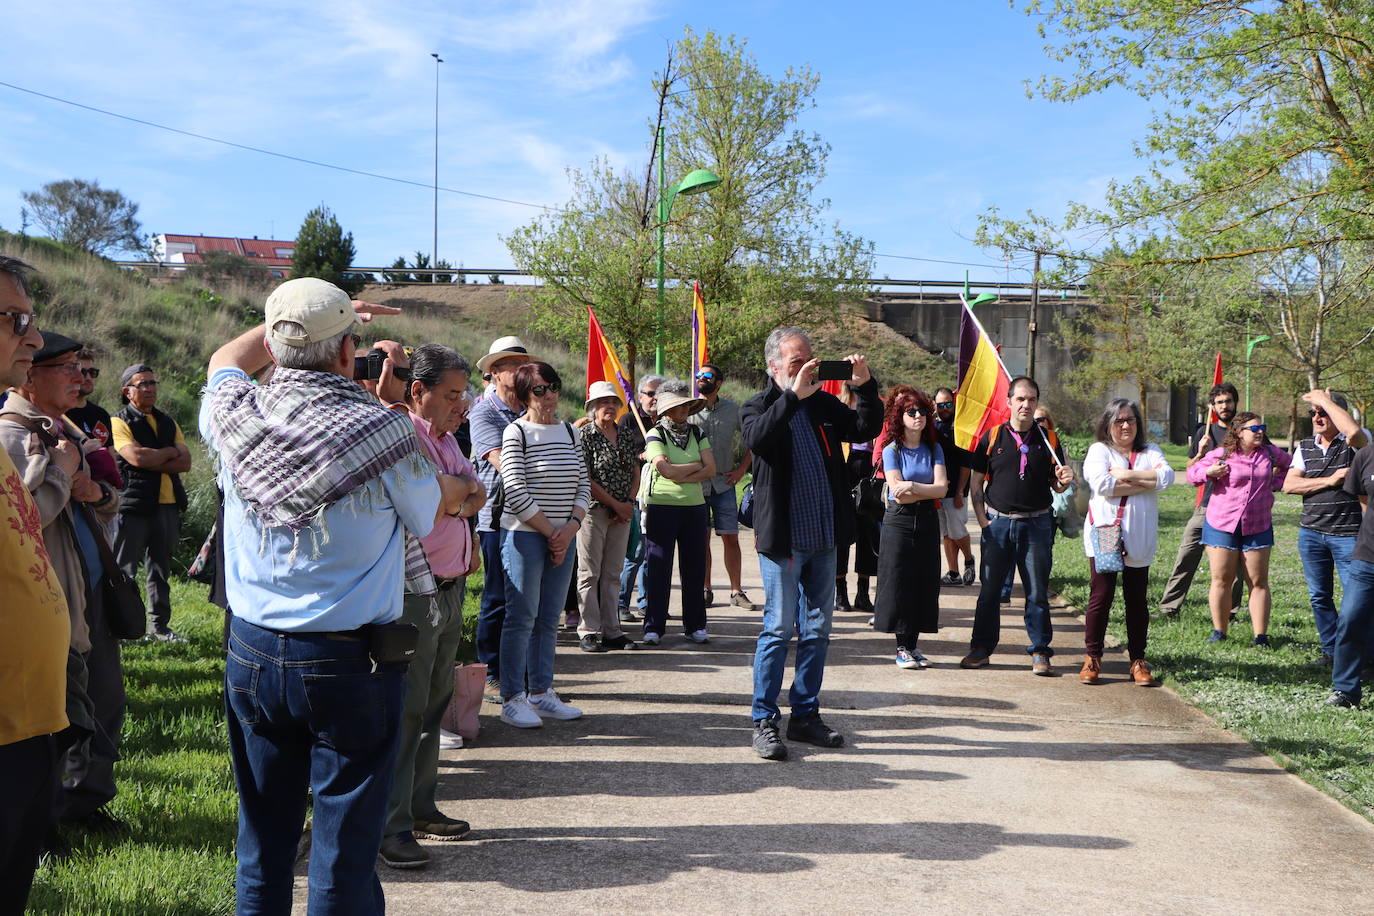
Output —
(923, 103)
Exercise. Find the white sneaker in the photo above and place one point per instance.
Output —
(699, 636)
(448, 741)
(518, 712)
(548, 705)
(920, 659)
(650, 639)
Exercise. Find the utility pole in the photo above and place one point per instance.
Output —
(1034, 315)
(434, 249)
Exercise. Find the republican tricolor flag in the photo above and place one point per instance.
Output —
(981, 402)
(698, 335)
(602, 363)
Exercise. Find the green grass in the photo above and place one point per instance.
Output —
(1270, 698)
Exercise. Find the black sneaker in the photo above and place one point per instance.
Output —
(968, 574)
(1321, 661)
(1262, 641)
(591, 643)
(812, 730)
(401, 851)
(619, 642)
(100, 821)
(951, 578)
(766, 742)
(1342, 700)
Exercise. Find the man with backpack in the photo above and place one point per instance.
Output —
(1015, 470)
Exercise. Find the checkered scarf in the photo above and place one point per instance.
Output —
(306, 441)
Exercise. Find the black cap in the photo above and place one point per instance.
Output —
(55, 345)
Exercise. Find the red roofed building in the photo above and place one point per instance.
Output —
(274, 254)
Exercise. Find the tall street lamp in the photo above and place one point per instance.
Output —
(1249, 350)
(434, 249)
(696, 182)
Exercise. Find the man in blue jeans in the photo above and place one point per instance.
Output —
(314, 677)
(1354, 645)
(802, 509)
(1330, 516)
(1013, 470)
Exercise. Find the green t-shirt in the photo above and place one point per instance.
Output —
(662, 491)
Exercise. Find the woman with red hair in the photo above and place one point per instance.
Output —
(909, 547)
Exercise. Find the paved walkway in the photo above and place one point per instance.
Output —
(968, 791)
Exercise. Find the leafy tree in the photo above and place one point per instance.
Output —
(757, 242)
(218, 266)
(397, 273)
(83, 215)
(324, 250)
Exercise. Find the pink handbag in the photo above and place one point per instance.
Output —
(461, 715)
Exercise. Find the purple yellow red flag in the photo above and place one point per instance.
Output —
(698, 335)
(602, 363)
(981, 401)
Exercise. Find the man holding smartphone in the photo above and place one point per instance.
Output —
(802, 509)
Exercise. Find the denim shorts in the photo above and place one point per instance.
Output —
(723, 512)
(1215, 537)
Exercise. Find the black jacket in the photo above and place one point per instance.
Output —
(766, 418)
(143, 488)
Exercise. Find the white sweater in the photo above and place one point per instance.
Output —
(544, 472)
(1140, 518)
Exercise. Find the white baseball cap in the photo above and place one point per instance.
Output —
(317, 305)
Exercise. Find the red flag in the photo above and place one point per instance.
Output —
(602, 363)
(1211, 418)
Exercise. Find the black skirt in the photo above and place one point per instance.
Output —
(909, 570)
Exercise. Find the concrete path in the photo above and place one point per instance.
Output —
(957, 791)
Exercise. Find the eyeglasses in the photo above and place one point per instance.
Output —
(1124, 421)
(540, 390)
(649, 394)
(22, 322)
(69, 368)
(945, 405)
(1259, 428)
(92, 372)
(916, 412)
(150, 383)
(1316, 412)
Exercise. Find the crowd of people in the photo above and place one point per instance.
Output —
(353, 509)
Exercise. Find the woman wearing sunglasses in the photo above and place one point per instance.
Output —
(909, 546)
(1238, 531)
(546, 494)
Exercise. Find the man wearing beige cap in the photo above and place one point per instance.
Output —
(324, 488)
(487, 421)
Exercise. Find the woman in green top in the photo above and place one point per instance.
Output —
(678, 458)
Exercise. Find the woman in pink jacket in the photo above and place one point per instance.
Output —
(1238, 531)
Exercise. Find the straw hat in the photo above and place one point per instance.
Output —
(599, 390)
(503, 347)
(667, 400)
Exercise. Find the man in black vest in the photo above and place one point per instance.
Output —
(152, 456)
(1330, 516)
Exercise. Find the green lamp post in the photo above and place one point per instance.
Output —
(697, 181)
(1249, 350)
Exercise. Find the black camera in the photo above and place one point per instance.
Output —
(368, 367)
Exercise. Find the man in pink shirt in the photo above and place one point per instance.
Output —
(437, 398)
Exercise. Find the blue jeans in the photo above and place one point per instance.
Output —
(1353, 629)
(1320, 554)
(308, 713)
(535, 593)
(492, 614)
(1007, 544)
(634, 573)
(798, 597)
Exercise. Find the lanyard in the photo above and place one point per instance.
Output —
(1021, 447)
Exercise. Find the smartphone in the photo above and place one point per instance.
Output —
(835, 370)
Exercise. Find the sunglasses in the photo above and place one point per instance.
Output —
(540, 390)
(1316, 412)
(22, 322)
(151, 383)
(357, 341)
(91, 373)
(945, 405)
(1259, 428)
(1042, 420)
(649, 394)
(706, 375)
(916, 412)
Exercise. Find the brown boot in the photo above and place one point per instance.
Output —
(1092, 667)
(1140, 673)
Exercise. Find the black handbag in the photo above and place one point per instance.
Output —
(746, 506)
(124, 611)
(868, 497)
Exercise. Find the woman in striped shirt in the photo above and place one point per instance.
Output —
(546, 494)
